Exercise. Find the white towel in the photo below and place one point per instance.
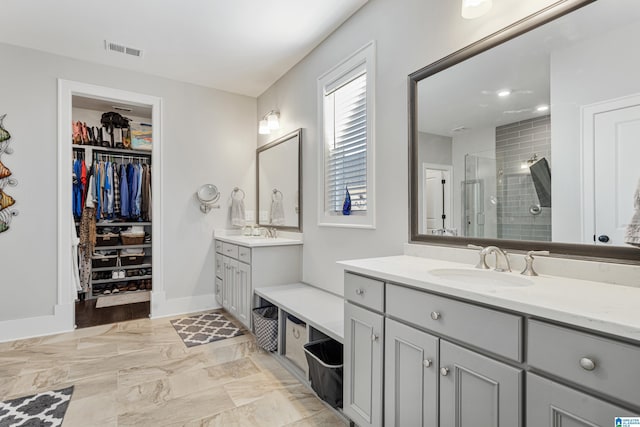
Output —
(277, 209)
(632, 234)
(237, 210)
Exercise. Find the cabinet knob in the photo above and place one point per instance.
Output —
(587, 364)
(359, 291)
(444, 371)
(374, 337)
(427, 363)
(435, 315)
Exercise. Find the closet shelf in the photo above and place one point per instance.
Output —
(121, 224)
(126, 279)
(113, 150)
(106, 248)
(139, 291)
(123, 267)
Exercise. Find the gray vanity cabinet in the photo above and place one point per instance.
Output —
(363, 354)
(550, 404)
(477, 391)
(411, 377)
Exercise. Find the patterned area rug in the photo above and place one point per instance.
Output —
(204, 328)
(40, 410)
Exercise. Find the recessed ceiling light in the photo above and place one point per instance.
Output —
(542, 108)
(504, 92)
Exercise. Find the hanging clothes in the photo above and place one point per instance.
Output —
(116, 189)
(125, 210)
(139, 192)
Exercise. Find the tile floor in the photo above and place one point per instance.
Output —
(139, 373)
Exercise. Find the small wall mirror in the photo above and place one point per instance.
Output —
(528, 139)
(278, 175)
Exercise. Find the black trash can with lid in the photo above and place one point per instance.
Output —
(325, 359)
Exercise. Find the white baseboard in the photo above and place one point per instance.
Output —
(163, 307)
(30, 327)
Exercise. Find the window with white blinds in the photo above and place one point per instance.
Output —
(346, 146)
(345, 98)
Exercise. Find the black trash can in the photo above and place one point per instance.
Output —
(325, 359)
(265, 326)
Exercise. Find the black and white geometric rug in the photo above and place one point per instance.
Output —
(40, 410)
(204, 328)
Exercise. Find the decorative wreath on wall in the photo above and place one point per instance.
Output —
(6, 201)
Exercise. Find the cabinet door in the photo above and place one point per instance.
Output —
(363, 351)
(477, 391)
(411, 378)
(243, 290)
(219, 290)
(233, 287)
(228, 279)
(550, 404)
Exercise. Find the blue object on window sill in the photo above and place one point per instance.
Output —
(346, 206)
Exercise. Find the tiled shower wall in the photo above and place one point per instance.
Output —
(515, 144)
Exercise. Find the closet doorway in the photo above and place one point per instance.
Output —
(110, 141)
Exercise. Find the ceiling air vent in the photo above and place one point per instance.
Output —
(120, 48)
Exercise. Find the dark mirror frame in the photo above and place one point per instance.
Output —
(272, 144)
(569, 250)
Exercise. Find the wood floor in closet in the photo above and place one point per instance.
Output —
(88, 315)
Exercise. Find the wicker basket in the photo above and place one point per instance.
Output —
(107, 239)
(132, 238)
(132, 259)
(104, 261)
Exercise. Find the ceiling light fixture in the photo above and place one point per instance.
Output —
(504, 93)
(472, 9)
(542, 108)
(269, 122)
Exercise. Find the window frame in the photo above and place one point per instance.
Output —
(362, 58)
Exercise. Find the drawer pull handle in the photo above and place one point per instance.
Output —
(435, 315)
(587, 364)
(296, 333)
(359, 291)
(427, 363)
(374, 337)
(444, 371)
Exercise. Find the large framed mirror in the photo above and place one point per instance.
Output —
(530, 138)
(279, 181)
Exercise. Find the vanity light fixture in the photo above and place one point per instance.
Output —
(542, 108)
(269, 122)
(472, 9)
(504, 93)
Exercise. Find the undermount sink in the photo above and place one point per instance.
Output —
(480, 277)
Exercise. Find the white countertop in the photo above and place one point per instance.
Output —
(603, 307)
(321, 309)
(254, 242)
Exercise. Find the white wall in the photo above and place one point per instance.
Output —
(582, 74)
(436, 149)
(209, 136)
(409, 35)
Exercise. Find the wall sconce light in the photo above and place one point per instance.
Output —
(269, 122)
(472, 9)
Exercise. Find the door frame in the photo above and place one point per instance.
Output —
(587, 183)
(449, 203)
(66, 90)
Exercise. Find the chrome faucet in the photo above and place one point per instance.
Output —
(502, 259)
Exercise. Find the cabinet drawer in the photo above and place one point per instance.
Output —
(230, 250)
(364, 291)
(218, 246)
(601, 364)
(548, 400)
(244, 254)
(492, 330)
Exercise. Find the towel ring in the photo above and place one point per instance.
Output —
(275, 196)
(237, 190)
